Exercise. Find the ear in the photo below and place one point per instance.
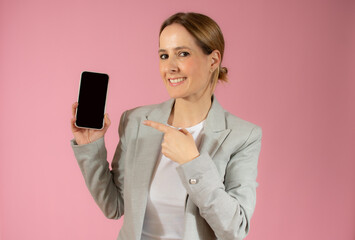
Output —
(215, 57)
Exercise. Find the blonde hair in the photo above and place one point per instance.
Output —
(207, 34)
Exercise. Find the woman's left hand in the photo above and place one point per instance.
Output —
(178, 145)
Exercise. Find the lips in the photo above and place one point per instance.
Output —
(173, 82)
(176, 80)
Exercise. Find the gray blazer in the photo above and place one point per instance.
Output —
(221, 201)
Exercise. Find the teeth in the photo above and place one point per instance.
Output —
(176, 80)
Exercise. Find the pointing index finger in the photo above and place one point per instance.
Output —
(158, 126)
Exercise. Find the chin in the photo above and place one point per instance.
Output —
(173, 93)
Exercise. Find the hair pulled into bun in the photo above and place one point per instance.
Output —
(223, 74)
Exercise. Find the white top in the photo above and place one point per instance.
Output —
(164, 216)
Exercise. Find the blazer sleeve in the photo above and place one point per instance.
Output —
(105, 186)
(228, 203)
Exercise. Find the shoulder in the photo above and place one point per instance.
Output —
(240, 125)
(240, 131)
(242, 134)
(142, 112)
(220, 119)
(132, 119)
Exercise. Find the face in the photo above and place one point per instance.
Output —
(184, 68)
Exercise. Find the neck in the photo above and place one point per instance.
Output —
(189, 112)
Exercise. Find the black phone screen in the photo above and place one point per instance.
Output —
(92, 100)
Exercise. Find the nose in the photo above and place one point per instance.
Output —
(172, 65)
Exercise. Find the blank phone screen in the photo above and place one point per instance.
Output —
(92, 100)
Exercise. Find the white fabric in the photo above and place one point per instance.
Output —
(164, 216)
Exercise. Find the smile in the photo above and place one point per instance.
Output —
(176, 80)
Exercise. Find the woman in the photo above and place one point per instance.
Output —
(185, 168)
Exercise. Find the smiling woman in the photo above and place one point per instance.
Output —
(185, 69)
(185, 168)
(205, 33)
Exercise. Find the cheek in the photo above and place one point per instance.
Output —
(198, 65)
(190, 66)
(161, 69)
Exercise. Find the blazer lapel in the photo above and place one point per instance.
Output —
(148, 148)
(214, 133)
(215, 130)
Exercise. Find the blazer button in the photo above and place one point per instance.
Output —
(193, 181)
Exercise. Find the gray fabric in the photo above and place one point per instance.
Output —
(220, 202)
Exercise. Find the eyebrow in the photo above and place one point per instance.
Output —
(176, 49)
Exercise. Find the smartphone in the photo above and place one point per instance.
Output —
(92, 100)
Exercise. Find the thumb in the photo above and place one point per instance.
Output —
(107, 121)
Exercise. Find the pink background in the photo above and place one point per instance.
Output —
(291, 71)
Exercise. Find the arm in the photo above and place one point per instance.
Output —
(226, 206)
(105, 186)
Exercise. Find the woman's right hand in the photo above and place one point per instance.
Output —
(85, 136)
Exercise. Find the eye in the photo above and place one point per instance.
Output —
(163, 56)
(184, 54)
